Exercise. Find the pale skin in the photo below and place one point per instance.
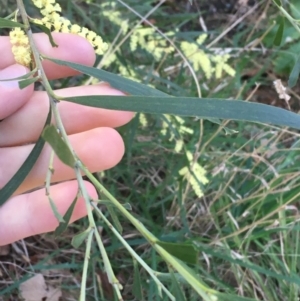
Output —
(23, 113)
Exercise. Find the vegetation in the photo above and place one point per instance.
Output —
(222, 196)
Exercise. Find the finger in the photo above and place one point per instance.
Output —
(11, 97)
(30, 214)
(99, 149)
(19, 128)
(71, 47)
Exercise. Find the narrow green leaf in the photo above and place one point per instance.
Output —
(158, 102)
(137, 283)
(59, 146)
(116, 81)
(222, 254)
(47, 31)
(63, 225)
(55, 211)
(26, 82)
(279, 33)
(230, 297)
(176, 289)
(23, 171)
(188, 274)
(4, 23)
(25, 76)
(166, 277)
(227, 130)
(114, 217)
(127, 206)
(185, 252)
(293, 78)
(78, 239)
(191, 106)
(178, 106)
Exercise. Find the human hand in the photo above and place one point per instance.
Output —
(24, 112)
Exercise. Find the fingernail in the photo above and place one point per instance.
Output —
(12, 71)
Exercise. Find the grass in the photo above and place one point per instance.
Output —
(245, 227)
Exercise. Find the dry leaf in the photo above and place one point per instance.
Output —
(36, 289)
(280, 89)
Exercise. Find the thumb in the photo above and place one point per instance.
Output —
(11, 97)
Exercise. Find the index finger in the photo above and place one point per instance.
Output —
(71, 47)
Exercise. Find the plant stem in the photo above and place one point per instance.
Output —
(113, 280)
(34, 50)
(204, 291)
(53, 103)
(86, 198)
(85, 266)
(288, 16)
(139, 226)
(133, 253)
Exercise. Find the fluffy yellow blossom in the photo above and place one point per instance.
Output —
(209, 63)
(143, 120)
(17, 36)
(195, 174)
(178, 146)
(221, 64)
(91, 36)
(145, 38)
(49, 9)
(54, 21)
(20, 47)
(42, 3)
(75, 28)
(100, 45)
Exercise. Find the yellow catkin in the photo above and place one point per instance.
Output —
(211, 64)
(52, 20)
(194, 174)
(20, 47)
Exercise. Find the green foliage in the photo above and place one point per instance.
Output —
(4, 23)
(66, 218)
(60, 147)
(13, 184)
(243, 221)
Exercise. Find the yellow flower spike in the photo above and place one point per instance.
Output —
(57, 26)
(101, 46)
(47, 22)
(66, 22)
(20, 47)
(91, 36)
(57, 7)
(84, 31)
(38, 4)
(65, 29)
(75, 28)
(201, 39)
(194, 174)
(178, 146)
(54, 17)
(54, 21)
(143, 120)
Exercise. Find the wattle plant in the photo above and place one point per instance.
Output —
(139, 98)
